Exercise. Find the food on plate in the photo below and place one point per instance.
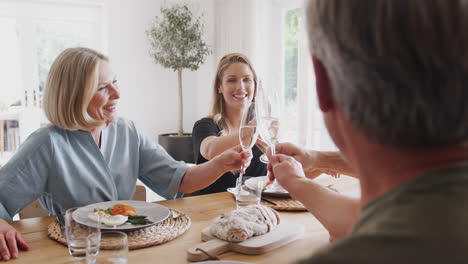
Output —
(261, 185)
(118, 214)
(240, 224)
(268, 183)
(275, 188)
(138, 220)
(268, 186)
(107, 219)
(123, 209)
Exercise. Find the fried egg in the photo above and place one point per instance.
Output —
(107, 219)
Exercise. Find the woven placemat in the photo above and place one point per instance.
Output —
(283, 204)
(175, 225)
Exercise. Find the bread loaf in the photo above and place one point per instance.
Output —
(240, 224)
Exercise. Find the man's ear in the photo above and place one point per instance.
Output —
(323, 86)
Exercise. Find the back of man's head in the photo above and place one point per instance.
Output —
(398, 68)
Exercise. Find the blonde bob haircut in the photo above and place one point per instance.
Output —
(218, 111)
(71, 84)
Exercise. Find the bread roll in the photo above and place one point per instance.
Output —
(240, 224)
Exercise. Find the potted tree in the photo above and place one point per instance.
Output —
(176, 43)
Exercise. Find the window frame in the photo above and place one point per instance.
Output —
(27, 15)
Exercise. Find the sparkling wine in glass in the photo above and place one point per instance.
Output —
(248, 133)
(271, 127)
(248, 136)
(269, 115)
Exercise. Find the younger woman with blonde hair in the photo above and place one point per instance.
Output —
(234, 88)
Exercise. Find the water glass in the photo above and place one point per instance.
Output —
(246, 196)
(76, 234)
(109, 247)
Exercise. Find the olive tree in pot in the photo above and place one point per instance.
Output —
(176, 42)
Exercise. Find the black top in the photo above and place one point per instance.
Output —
(206, 127)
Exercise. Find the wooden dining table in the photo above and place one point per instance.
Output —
(202, 210)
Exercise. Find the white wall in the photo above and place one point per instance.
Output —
(148, 91)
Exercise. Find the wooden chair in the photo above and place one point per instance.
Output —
(35, 209)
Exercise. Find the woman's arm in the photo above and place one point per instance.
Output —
(202, 175)
(23, 179)
(212, 146)
(207, 142)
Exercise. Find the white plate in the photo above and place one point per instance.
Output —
(252, 183)
(222, 262)
(324, 180)
(233, 190)
(153, 212)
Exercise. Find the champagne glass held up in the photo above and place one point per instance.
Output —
(248, 133)
(269, 116)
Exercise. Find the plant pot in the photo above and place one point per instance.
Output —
(179, 147)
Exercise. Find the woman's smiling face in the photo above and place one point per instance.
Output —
(103, 105)
(237, 85)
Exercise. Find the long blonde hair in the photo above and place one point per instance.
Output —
(218, 111)
(71, 84)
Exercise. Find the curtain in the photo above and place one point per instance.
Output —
(312, 132)
(256, 28)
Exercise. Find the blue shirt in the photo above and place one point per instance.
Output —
(65, 168)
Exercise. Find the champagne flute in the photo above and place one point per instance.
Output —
(248, 134)
(269, 115)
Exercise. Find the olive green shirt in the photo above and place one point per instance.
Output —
(424, 220)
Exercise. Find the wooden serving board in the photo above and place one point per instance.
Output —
(283, 234)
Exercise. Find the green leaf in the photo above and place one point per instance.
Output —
(176, 40)
(138, 220)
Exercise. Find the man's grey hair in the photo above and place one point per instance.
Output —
(398, 68)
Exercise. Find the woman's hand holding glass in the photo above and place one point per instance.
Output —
(234, 158)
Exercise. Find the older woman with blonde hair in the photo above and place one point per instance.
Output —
(88, 154)
(234, 88)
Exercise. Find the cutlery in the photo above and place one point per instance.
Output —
(176, 215)
(61, 221)
(331, 188)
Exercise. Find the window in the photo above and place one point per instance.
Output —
(52, 37)
(10, 67)
(33, 34)
(290, 75)
(304, 123)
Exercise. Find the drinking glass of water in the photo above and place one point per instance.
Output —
(110, 247)
(247, 196)
(76, 234)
